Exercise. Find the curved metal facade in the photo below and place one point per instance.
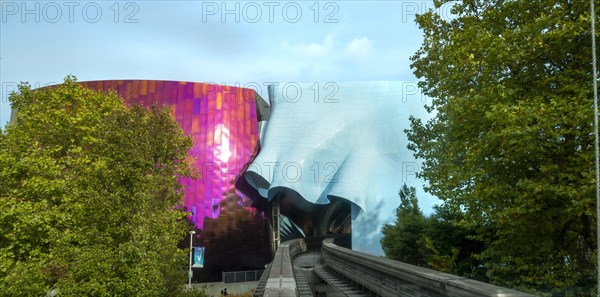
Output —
(335, 142)
(223, 123)
(333, 156)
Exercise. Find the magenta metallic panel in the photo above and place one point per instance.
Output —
(222, 122)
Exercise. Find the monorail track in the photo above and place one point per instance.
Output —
(301, 267)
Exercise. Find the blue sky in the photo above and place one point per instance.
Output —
(246, 43)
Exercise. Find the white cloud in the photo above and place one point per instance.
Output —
(345, 57)
(359, 47)
(311, 49)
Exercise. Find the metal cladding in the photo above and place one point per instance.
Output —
(222, 122)
(333, 154)
(329, 141)
(343, 146)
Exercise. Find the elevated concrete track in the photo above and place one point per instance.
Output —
(319, 267)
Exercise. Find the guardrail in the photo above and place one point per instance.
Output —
(241, 276)
(389, 278)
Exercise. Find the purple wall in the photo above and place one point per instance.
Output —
(222, 121)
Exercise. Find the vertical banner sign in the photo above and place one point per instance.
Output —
(198, 257)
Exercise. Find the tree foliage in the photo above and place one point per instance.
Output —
(401, 241)
(90, 202)
(435, 241)
(511, 142)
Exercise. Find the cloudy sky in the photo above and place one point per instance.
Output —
(248, 43)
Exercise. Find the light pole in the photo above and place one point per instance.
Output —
(190, 273)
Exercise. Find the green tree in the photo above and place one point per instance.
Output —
(452, 247)
(436, 241)
(511, 142)
(402, 241)
(90, 202)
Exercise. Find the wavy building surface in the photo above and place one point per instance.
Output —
(338, 144)
(223, 123)
(331, 159)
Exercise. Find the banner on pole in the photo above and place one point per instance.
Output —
(198, 257)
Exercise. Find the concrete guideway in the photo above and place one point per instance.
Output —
(300, 271)
(389, 278)
(281, 280)
(340, 283)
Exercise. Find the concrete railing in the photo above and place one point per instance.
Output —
(386, 277)
(281, 280)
